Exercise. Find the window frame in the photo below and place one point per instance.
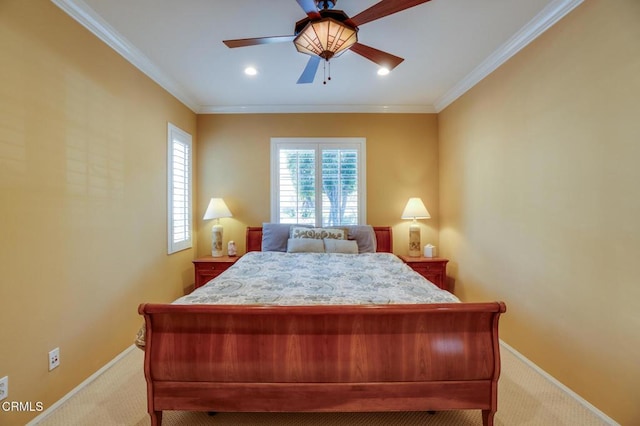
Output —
(175, 134)
(318, 144)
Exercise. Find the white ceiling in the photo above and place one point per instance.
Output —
(448, 46)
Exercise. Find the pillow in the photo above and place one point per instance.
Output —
(274, 236)
(318, 233)
(340, 246)
(305, 245)
(365, 236)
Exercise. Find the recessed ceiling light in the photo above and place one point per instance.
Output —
(383, 71)
(250, 71)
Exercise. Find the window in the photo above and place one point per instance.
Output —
(318, 181)
(179, 189)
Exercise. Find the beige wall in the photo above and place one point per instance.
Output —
(233, 163)
(82, 201)
(540, 201)
(535, 201)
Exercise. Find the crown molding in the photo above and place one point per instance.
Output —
(311, 109)
(88, 18)
(551, 14)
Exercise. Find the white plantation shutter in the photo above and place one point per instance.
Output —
(318, 181)
(339, 186)
(179, 189)
(297, 177)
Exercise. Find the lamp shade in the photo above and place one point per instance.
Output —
(325, 38)
(415, 209)
(217, 209)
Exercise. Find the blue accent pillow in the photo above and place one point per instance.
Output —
(365, 236)
(275, 236)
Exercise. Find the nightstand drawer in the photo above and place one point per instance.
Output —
(207, 268)
(432, 268)
(423, 268)
(213, 268)
(203, 276)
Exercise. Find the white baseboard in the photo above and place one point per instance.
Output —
(608, 420)
(78, 388)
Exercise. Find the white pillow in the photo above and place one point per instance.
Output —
(304, 245)
(340, 246)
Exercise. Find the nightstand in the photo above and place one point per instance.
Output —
(208, 267)
(432, 268)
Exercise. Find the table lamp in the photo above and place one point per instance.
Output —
(216, 209)
(414, 210)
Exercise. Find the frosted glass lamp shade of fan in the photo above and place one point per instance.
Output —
(216, 210)
(414, 210)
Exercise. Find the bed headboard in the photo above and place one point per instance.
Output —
(384, 238)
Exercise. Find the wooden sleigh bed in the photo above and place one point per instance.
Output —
(404, 357)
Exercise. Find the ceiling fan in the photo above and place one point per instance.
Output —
(326, 33)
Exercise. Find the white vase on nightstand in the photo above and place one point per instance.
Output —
(216, 240)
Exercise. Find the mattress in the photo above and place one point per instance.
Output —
(276, 278)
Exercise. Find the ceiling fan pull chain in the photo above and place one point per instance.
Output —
(324, 72)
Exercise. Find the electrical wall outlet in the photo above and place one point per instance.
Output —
(4, 387)
(54, 358)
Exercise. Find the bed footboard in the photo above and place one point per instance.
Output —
(322, 358)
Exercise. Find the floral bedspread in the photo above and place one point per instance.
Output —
(275, 278)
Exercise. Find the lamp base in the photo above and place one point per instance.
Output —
(216, 241)
(414, 240)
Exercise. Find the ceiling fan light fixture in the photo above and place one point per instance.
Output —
(326, 38)
(250, 71)
(383, 71)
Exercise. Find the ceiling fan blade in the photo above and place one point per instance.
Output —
(309, 7)
(381, 58)
(243, 42)
(310, 70)
(384, 8)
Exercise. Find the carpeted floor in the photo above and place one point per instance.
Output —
(118, 397)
